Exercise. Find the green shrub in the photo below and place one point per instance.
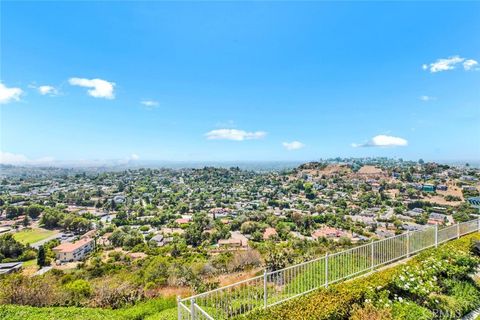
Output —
(407, 310)
(467, 295)
(137, 312)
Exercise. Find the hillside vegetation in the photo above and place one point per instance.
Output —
(436, 284)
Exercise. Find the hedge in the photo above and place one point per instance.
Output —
(136, 312)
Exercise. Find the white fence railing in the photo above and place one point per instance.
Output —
(274, 287)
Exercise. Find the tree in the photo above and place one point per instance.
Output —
(26, 221)
(11, 212)
(52, 218)
(34, 210)
(9, 247)
(41, 257)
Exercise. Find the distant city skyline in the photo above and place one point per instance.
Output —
(254, 81)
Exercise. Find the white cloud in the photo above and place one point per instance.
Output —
(150, 104)
(134, 157)
(470, 64)
(383, 141)
(44, 90)
(99, 88)
(450, 64)
(294, 145)
(9, 94)
(234, 134)
(20, 159)
(427, 98)
(443, 64)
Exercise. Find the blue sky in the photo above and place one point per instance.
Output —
(239, 81)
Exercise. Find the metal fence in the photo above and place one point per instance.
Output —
(274, 287)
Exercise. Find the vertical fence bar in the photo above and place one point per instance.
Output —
(265, 297)
(372, 257)
(179, 311)
(326, 270)
(192, 308)
(408, 244)
(458, 230)
(436, 235)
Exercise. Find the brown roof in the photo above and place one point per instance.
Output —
(69, 246)
(269, 232)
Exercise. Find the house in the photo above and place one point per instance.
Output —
(268, 233)
(230, 243)
(442, 187)
(326, 232)
(412, 213)
(428, 188)
(239, 236)
(383, 233)
(171, 231)
(182, 221)
(119, 199)
(90, 234)
(474, 202)
(437, 218)
(10, 267)
(68, 252)
(158, 239)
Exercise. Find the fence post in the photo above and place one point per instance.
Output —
(372, 256)
(436, 235)
(478, 222)
(326, 270)
(192, 308)
(458, 230)
(265, 297)
(179, 312)
(408, 244)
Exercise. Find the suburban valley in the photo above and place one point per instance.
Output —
(111, 238)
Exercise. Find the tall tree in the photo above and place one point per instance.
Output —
(41, 257)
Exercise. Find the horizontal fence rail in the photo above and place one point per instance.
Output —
(274, 287)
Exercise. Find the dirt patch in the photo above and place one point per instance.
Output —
(370, 170)
(230, 278)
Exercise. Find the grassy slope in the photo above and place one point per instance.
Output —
(33, 235)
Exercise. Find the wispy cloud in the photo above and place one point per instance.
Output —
(47, 90)
(149, 104)
(8, 95)
(383, 141)
(427, 98)
(294, 145)
(470, 64)
(234, 134)
(20, 159)
(450, 63)
(98, 88)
